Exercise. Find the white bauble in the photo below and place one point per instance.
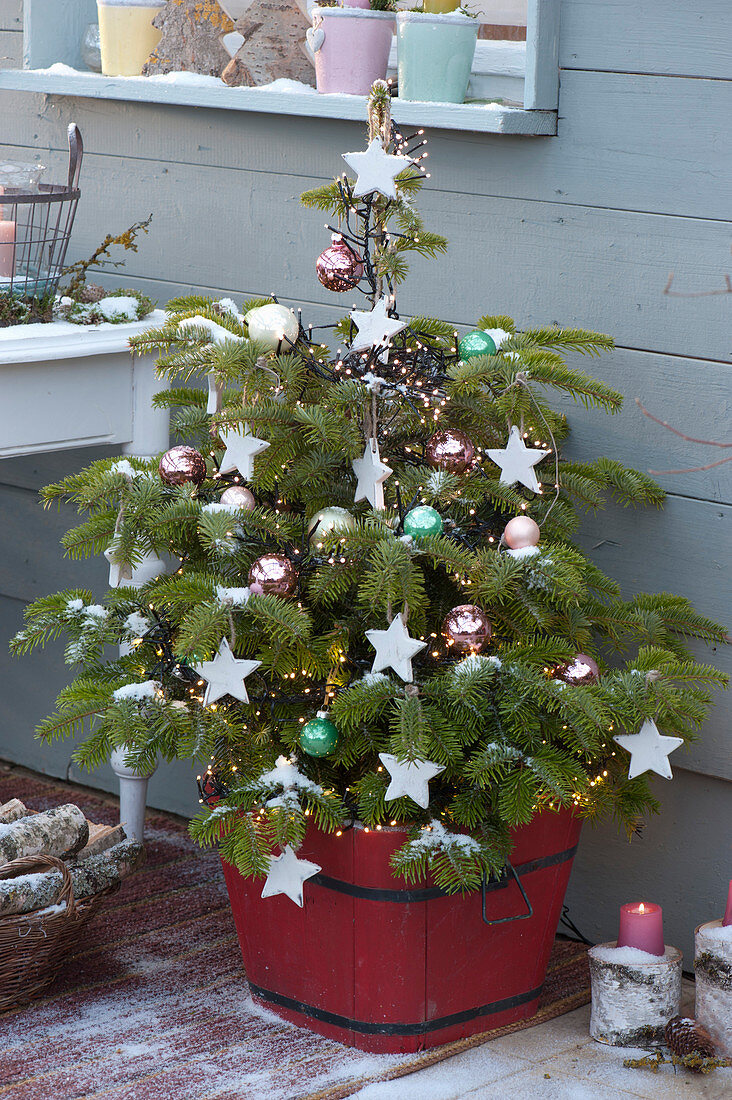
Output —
(331, 519)
(272, 324)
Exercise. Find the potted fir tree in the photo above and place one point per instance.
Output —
(405, 676)
(351, 44)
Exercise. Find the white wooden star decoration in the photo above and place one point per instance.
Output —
(376, 170)
(241, 449)
(409, 777)
(394, 649)
(225, 675)
(517, 461)
(649, 750)
(124, 575)
(375, 327)
(371, 473)
(287, 874)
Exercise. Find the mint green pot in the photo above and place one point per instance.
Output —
(435, 56)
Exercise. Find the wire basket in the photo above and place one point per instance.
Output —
(35, 227)
(35, 946)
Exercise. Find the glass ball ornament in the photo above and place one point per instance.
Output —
(582, 670)
(467, 628)
(423, 521)
(274, 574)
(319, 736)
(330, 519)
(475, 343)
(520, 532)
(238, 496)
(182, 464)
(450, 450)
(271, 324)
(339, 268)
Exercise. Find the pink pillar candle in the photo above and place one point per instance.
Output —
(7, 247)
(641, 926)
(727, 918)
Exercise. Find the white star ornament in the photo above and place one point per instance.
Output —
(375, 327)
(376, 170)
(371, 473)
(409, 777)
(287, 874)
(225, 675)
(241, 450)
(394, 649)
(517, 461)
(649, 750)
(124, 575)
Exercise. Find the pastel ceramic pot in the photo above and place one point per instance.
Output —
(435, 55)
(351, 48)
(126, 34)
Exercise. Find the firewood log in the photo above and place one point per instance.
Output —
(36, 891)
(12, 811)
(61, 832)
(102, 837)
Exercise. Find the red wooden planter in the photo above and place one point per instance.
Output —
(385, 967)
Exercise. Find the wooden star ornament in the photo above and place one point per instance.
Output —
(287, 875)
(517, 461)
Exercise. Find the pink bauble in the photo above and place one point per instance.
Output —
(450, 450)
(275, 574)
(467, 628)
(339, 268)
(582, 669)
(182, 464)
(238, 496)
(521, 531)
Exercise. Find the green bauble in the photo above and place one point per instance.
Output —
(476, 343)
(318, 737)
(423, 521)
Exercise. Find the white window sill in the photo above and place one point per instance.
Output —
(197, 91)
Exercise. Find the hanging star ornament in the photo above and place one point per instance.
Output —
(225, 675)
(517, 461)
(375, 327)
(409, 777)
(376, 170)
(649, 750)
(124, 575)
(287, 874)
(394, 649)
(241, 450)
(371, 473)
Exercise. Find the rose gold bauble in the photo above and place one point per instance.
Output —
(238, 496)
(339, 268)
(467, 628)
(275, 574)
(450, 450)
(580, 670)
(182, 464)
(521, 531)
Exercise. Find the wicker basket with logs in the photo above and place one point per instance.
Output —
(45, 902)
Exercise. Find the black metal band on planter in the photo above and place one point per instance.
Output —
(406, 897)
(366, 1027)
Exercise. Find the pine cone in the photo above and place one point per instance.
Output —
(685, 1036)
(90, 293)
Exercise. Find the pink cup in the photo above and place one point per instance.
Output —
(351, 48)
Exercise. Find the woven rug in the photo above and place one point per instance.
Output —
(155, 1006)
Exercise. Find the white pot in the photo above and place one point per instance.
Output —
(64, 385)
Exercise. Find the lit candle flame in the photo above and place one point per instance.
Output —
(641, 908)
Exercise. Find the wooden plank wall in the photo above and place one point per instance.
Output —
(585, 228)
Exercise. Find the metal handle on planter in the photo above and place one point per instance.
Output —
(76, 152)
(519, 916)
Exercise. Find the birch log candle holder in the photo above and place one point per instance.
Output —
(713, 966)
(634, 994)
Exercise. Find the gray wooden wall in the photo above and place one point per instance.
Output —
(583, 229)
